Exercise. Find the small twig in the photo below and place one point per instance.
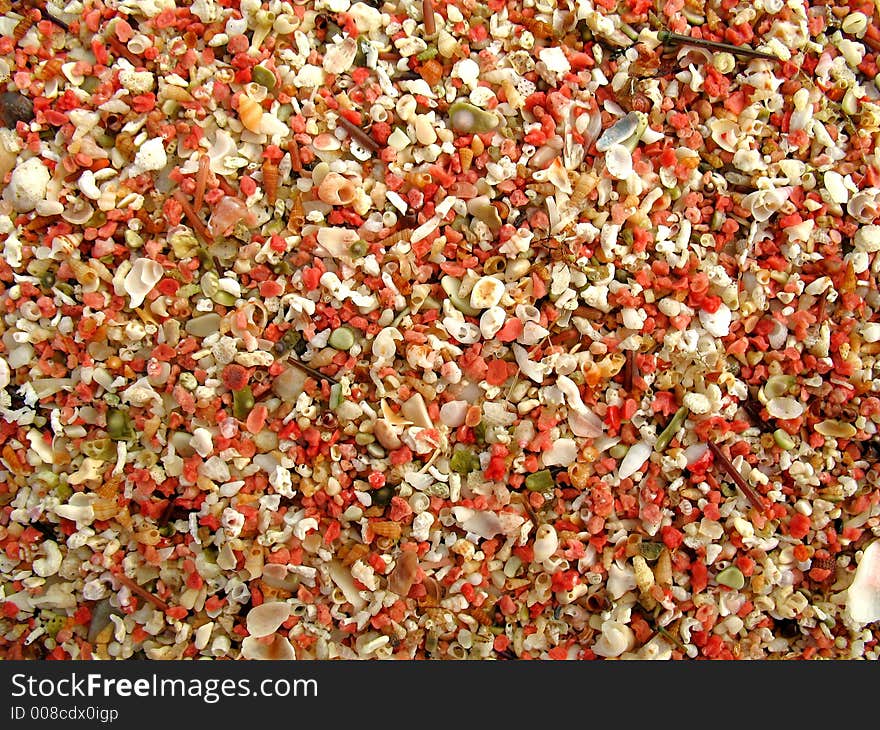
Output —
(629, 371)
(138, 590)
(121, 50)
(677, 39)
(192, 216)
(359, 135)
(428, 13)
(731, 471)
(295, 160)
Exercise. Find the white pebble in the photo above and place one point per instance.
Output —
(28, 185)
(717, 323)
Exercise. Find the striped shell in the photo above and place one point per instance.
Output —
(270, 180)
(386, 529)
(105, 509)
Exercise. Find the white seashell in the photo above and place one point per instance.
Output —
(863, 594)
(836, 187)
(452, 413)
(764, 203)
(864, 206)
(562, 452)
(635, 458)
(555, 60)
(267, 618)
(486, 292)
(618, 132)
(620, 581)
(870, 333)
(467, 70)
(697, 403)
(144, 275)
(425, 132)
(48, 565)
(342, 578)
(616, 639)
(695, 452)
(5, 373)
(778, 335)
(558, 176)
(867, 239)
(491, 321)
(717, 323)
(78, 508)
(383, 346)
(221, 149)
(465, 332)
(784, 407)
(338, 58)
(28, 185)
(618, 162)
(546, 543)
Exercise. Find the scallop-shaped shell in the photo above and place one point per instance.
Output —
(619, 131)
(250, 113)
(339, 58)
(336, 189)
(140, 280)
(618, 162)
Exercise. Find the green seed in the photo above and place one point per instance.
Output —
(99, 448)
(731, 577)
(342, 338)
(188, 380)
(52, 622)
(210, 282)
(242, 402)
(263, 76)
(224, 298)
(467, 118)
(783, 440)
(363, 439)
(427, 54)
(650, 551)
(63, 492)
(618, 451)
(540, 481)
(336, 398)
(463, 461)
(119, 425)
(666, 436)
(358, 249)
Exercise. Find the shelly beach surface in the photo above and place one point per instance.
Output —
(412, 329)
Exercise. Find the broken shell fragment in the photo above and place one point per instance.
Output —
(140, 280)
(626, 131)
(28, 184)
(618, 162)
(267, 618)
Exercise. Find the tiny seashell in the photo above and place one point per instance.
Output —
(250, 113)
(717, 323)
(486, 292)
(279, 650)
(105, 509)
(863, 594)
(619, 131)
(336, 189)
(546, 543)
(616, 638)
(483, 523)
(836, 187)
(140, 280)
(618, 162)
(491, 321)
(864, 206)
(387, 528)
(635, 458)
(785, 408)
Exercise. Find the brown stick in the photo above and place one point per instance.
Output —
(142, 592)
(428, 13)
(311, 371)
(192, 216)
(359, 135)
(731, 471)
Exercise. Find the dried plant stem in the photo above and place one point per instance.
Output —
(139, 591)
(731, 471)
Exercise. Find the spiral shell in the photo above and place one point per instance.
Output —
(270, 180)
(336, 189)
(250, 113)
(387, 529)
